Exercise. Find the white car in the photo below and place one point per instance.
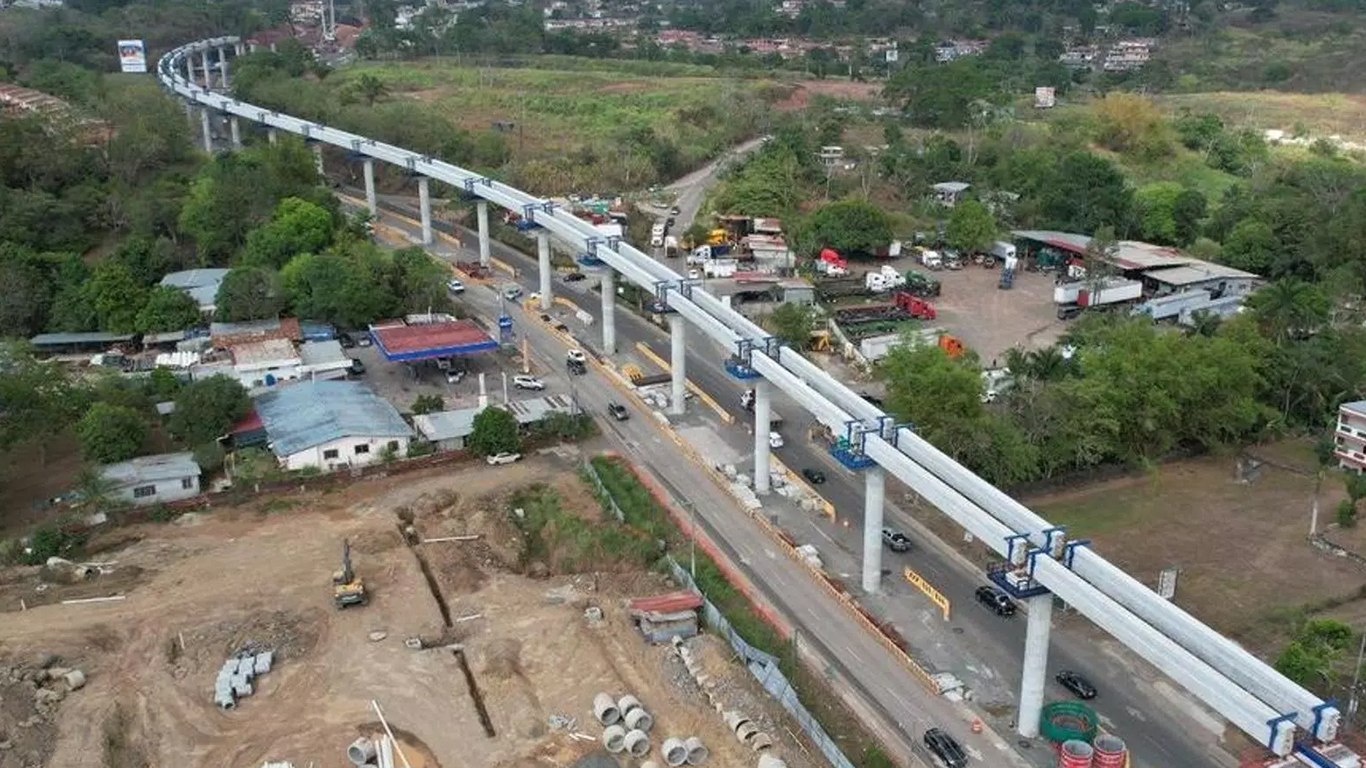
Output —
(775, 440)
(512, 292)
(576, 356)
(527, 382)
(502, 458)
(694, 274)
(455, 286)
(454, 376)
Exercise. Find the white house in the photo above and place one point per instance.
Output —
(330, 425)
(201, 285)
(153, 479)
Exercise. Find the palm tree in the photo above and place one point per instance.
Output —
(1048, 364)
(1204, 323)
(1289, 307)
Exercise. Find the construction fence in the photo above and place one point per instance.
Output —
(765, 669)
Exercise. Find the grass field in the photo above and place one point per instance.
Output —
(1301, 51)
(560, 109)
(1245, 564)
(1321, 114)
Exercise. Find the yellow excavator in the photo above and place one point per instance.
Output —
(347, 588)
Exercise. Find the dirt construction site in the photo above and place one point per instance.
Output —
(509, 652)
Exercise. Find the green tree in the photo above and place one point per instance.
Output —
(847, 226)
(971, 227)
(370, 89)
(1155, 209)
(296, 226)
(494, 431)
(37, 397)
(1252, 246)
(1289, 307)
(1187, 212)
(943, 95)
(116, 297)
(419, 281)
(111, 433)
(792, 324)
(1083, 192)
(206, 408)
(428, 404)
(350, 288)
(249, 293)
(168, 309)
(1132, 125)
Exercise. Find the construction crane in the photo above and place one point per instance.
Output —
(347, 588)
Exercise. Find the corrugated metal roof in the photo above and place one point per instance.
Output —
(322, 353)
(669, 602)
(424, 341)
(1357, 406)
(446, 425)
(1198, 273)
(58, 339)
(265, 351)
(201, 284)
(311, 413)
(534, 409)
(149, 469)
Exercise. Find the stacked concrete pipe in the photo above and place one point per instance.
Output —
(614, 738)
(745, 731)
(605, 709)
(697, 753)
(637, 743)
(674, 751)
(361, 752)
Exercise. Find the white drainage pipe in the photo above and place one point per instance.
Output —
(627, 703)
(637, 743)
(675, 753)
(770, 761)
(697, 754)
(605, 709)
(614, 738)
(745, 731)
(639, 720)
(760, 742)
(361, 751)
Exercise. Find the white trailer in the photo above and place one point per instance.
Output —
(1172, 304)
(1109, 292)
(1003, 250)
(720, 267)
(1223, 308)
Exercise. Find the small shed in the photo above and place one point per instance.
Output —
(446, 430)
(948, 193)
(71, 343)
(664, 617)
(153, 479)
(797, 291)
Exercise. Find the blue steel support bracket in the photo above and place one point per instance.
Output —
(613, 242)
(1271, 730)
(1069, 551)
(1054, 539)
(1013, 542)
(772, 345)
(1329, 703)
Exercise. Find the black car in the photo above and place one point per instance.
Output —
(576, 367)
(1078, 685)
(357, 367)
(618, 411)
(574, 277)
(998, 601)
(946, 748)
(895, 540)
(345, 340)
(813, 476)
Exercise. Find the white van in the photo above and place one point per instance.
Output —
(657, 236)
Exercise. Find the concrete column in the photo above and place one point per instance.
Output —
(236, 132)
(205, 127)
(318, 157)
(543, 267)
(763, 416)
(609, 312)
(424, 200)
(678, 369)
(208, 77)
(1035, 669)
(189, 114)
(370, 187)
(223, 66)
(874, 488)
(251, 47)
(482, 208)
(189, 68)
(237, 49)
(272, 136)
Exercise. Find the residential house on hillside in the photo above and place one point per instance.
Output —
(201, 285)
(1349, 436)
(330, 425)
(153, 479)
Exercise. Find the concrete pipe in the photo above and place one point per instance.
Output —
(649, 764)
(361, 752)
(627, 703)
(745, 731)
(605, 709)
(675, 752)
(760, 742)
(733, 719)
(614, 738)
(637, 743)
(75, 680)
(639, 720)
(771, 761)
(697, 754)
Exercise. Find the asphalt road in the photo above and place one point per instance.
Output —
(1159, 731)
(692, 188)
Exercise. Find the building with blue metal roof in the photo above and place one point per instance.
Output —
(330, 425)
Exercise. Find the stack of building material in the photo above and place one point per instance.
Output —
(664, 617)
(235, 677)
(366, 752)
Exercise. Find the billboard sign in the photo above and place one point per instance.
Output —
(1044, 97)
(132, 56)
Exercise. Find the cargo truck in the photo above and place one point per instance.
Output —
(1171, 305)
(1072, 298)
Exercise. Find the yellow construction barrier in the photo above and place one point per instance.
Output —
(935, 596)
(706, 399)
(503, 265)
(632, 372)
(562, 301)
